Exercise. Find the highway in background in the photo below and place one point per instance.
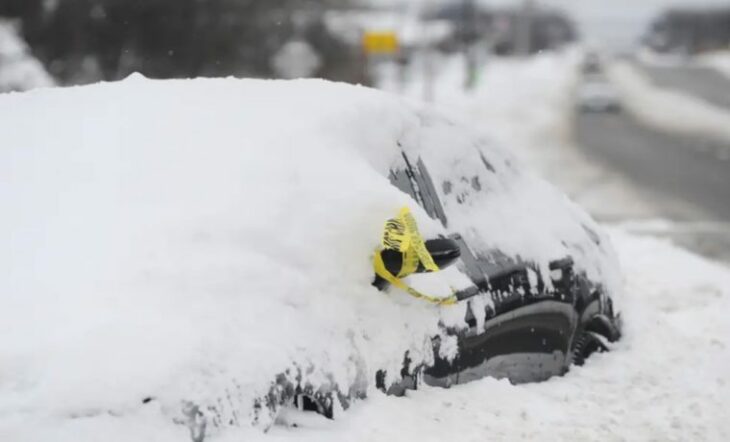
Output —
(675, 171)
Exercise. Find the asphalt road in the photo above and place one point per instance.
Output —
(678, 172)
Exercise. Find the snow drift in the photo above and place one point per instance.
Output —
(183, 242)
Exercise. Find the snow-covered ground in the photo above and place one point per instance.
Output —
(719, 60)
(19, 70)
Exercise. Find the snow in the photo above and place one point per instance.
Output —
(718, 60)
(161, 241)
(186, 241)
(19, 70)
(665, 109)
(518, 101)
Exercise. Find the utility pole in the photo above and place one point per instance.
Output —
(523, 43)
(468, 34)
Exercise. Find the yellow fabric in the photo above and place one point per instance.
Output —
(401, 234)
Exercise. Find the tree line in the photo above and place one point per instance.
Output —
(690, 30)
(89, 40)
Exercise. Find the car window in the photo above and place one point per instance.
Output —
(430, 197)
(414, 180)
(461, 188)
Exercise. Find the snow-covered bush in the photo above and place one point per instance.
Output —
(19, 70)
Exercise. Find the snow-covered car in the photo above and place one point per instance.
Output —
(598, 95)
(202, 255)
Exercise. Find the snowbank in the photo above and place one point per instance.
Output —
(719, 60)
(667, 110)
(527, 98)
(177, 242)
(512, 97)
(526, 104)
(19, 70)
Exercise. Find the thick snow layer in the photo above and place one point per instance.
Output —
(665, 109)
(19, 70)
(190, 240)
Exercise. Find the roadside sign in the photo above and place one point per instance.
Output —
(382, 42)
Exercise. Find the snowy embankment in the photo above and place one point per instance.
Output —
(521, 99)
(719, 61)
(523, 103)
(667, 110)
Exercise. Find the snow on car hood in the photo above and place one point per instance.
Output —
(188, 240)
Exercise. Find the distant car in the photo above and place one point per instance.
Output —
(598, 96)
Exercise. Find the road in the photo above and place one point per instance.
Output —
(677, 172)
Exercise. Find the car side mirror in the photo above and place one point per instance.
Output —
(444, 252)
